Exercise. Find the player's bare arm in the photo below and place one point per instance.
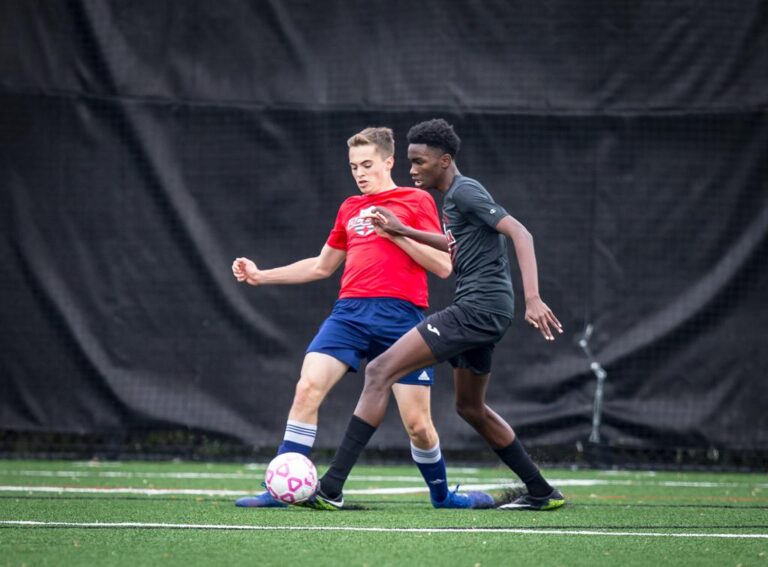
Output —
(431, 259)
(303, 271)
(387, 220)
(537, 313)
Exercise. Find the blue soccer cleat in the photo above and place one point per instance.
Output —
(263, 500)
(474, 499)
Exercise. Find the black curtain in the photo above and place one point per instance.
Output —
(144, 145)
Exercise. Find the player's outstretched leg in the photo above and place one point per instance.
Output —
(299, 438)
(319, 374)
(470, 391)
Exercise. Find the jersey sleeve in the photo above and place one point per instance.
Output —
(426, 217)
(338, 236)
(474, 200)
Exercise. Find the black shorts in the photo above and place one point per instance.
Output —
(464, 337)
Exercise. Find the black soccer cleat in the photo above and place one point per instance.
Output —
(319, 501)
(553, 501)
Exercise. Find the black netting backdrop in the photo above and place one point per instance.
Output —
(144, 145)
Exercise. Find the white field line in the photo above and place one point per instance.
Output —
(374, 478)
(217, 492)
(125, 474)
(521, 531)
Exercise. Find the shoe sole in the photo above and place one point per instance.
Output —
(325, 506)
(321, 504)
(551, 505)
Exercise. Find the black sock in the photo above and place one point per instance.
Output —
(516, 458)
(355, 439)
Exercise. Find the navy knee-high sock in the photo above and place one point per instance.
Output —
(432, 467)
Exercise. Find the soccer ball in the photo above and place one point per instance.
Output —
(291, 478)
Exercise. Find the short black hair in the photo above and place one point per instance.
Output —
(436, 133)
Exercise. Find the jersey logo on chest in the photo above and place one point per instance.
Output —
(361, 226)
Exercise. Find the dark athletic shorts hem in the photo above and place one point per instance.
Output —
(464, 337)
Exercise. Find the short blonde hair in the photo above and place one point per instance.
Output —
(381, 137)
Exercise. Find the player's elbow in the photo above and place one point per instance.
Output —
(521, 235)
(321, 272)
(444, 266)
(444, 271)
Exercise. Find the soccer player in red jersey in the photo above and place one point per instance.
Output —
(383, 292)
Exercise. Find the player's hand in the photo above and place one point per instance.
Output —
(381, 232)
(385, 219)
(541, 317)
(245, 270)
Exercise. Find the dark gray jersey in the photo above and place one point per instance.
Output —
(478, 251)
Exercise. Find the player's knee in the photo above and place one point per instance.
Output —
(421, 430)
(376, 376)
(471, 413)
(309, 395)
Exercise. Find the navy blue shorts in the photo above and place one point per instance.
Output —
(364, 328)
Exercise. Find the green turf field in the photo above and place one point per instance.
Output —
(176, 513)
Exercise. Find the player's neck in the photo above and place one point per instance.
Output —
(388, 186)
(447, 179)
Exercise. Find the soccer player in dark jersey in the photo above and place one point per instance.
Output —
(383, 292)
(476, 229)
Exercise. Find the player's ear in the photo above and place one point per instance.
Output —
(389, 162)
(446, 160)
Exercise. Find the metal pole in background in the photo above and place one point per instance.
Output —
(601, 375)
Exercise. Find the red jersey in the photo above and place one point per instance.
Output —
(375, 266)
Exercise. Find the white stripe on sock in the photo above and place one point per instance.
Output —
(302, 433)
(426, 456)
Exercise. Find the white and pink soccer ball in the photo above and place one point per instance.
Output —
(291, 478)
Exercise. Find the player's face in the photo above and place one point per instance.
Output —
(372, 172)
(427, 167)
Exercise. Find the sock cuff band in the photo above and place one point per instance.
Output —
(426, 456)
(301, 428)
(301, 433)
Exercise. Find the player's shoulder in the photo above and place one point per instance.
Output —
(468, 182)
(465, 188)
